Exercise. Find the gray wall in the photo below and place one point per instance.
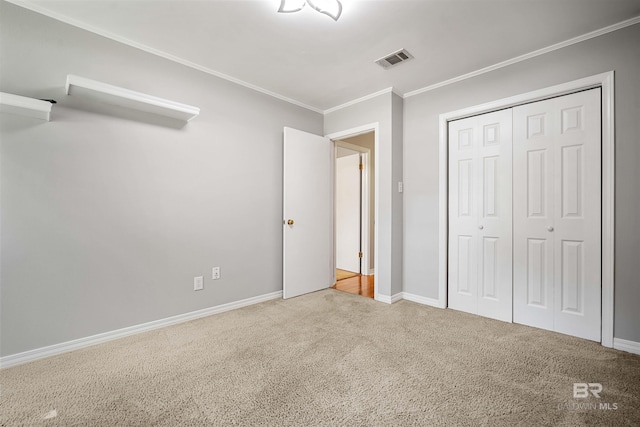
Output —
(386, 110)
(397, 152)
(619, 51)
(107, 216)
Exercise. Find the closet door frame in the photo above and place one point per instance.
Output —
(604, 81)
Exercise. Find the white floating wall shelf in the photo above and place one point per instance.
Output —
(91, 89)
(24, 106)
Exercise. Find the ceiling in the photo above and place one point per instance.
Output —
(307, 58)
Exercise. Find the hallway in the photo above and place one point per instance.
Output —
(359, 285)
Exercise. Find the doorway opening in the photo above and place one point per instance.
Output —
(354, 214)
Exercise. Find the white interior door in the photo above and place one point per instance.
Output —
(348, 212)
(557, 214)
(308, 212)
(480, 241)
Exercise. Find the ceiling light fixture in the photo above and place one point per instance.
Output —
(331, 8)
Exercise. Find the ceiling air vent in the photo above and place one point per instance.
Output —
(394, 59)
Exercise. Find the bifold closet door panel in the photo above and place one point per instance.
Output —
(578, 201)
(557, 214)
(495, 289)
(463, 211)
(480, 252)
(533, 205)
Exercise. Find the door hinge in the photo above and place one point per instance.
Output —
(361, 166)
(359, 254)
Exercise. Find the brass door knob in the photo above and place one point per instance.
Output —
(290, 222)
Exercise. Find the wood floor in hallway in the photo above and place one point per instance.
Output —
(359, 285)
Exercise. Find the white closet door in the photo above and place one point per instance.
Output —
(557, 209)
(533, 205)
(480, 253)
(463, 210)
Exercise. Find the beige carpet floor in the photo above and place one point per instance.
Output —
(331, 359)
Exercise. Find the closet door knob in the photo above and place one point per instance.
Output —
(550, 228)
(290, 222)
(481, 227)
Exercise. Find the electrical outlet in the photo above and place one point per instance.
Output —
(198, 283)
(215, 273)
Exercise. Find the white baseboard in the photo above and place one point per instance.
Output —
(389, 299)
(52, 350)
(421, 300)
(383, 298)
(624, 345)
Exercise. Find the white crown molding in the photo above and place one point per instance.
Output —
(43, 11)
(361, 99)
(67, 20)
(584, 37)
(52, 350)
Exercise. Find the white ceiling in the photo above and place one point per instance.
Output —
(310, 59)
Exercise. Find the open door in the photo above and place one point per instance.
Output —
(307, 208)
(348, 211)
